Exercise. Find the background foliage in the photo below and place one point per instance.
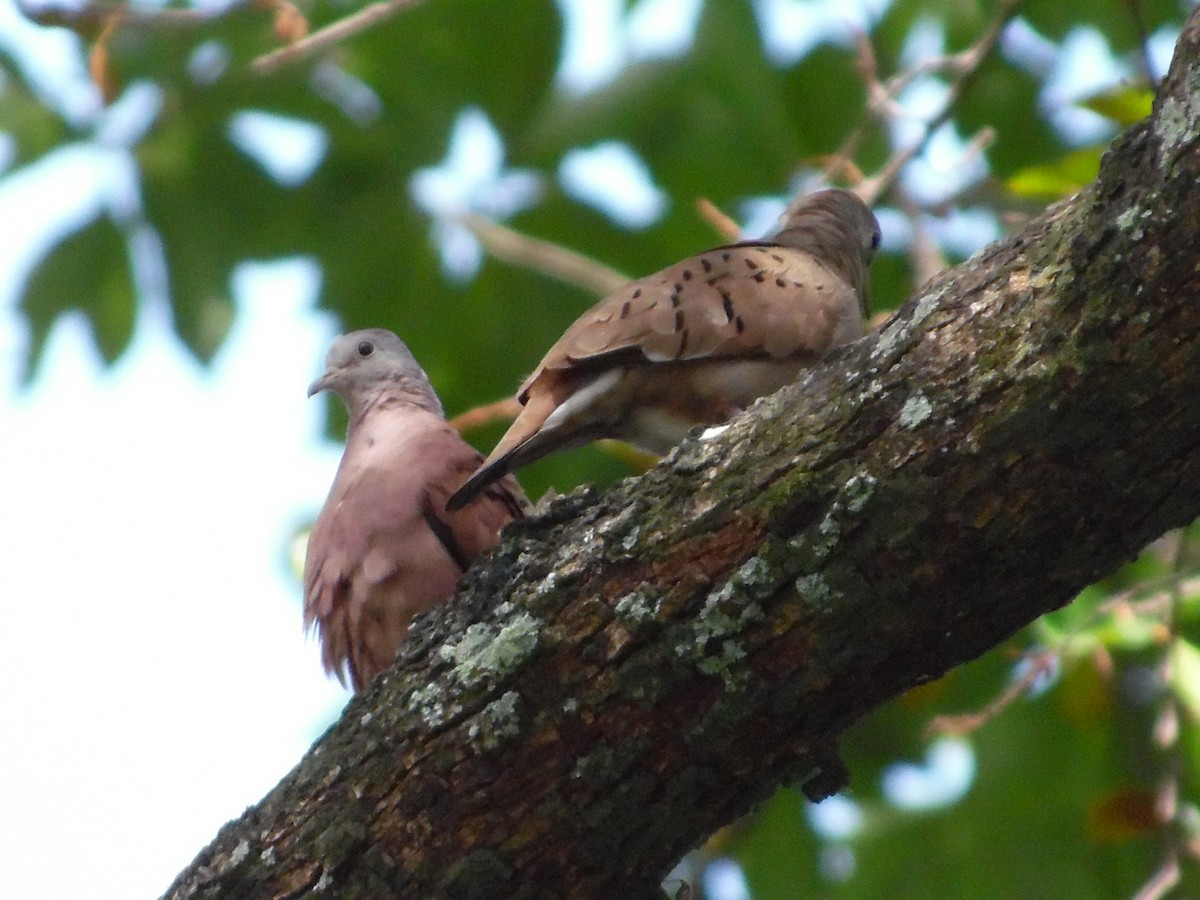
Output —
(1061, 788)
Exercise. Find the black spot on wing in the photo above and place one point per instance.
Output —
(683, 342)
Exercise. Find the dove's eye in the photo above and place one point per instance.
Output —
(365, 349)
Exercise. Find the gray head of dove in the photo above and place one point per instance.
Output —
(838, 228)
(363, 365)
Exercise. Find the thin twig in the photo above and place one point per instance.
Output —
(1040, 663)
(506, 410)
(923, 250)
(962, 66)
(543, 256)
(721, 223)
(331, 34)
(99, 63)
(1160, 882)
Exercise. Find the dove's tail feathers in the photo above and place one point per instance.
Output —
(562, 414)
(502, 461)
(477, 483)
(508, 454)
(537, 432)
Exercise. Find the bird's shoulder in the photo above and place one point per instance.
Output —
(747, 300)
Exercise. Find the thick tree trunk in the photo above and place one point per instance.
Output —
(636, 668)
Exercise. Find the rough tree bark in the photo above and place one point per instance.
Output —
(636, 668)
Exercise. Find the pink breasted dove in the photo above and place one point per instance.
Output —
(698, 342)
(384, 547)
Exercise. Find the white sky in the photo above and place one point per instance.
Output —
(155, 679)
(155, 676)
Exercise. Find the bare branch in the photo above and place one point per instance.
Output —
(1161, 882)
(543, 256)
(331, 34)
(722, 224)
(962, 66)
(500, 410)
(923, 251)
(1041, 663)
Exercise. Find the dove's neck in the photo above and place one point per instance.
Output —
(401, 394)
(823, 238)
(832, 244)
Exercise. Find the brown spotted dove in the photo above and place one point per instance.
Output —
(699, 341)
(384, 547)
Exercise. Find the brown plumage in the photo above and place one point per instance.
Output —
(384, 547)
(699, 341)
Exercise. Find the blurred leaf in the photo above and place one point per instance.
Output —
(1126, 631)
(1122, 815)
(87, 270)
(433, 59)
(163, 55)
(1084, 695)
(1058, 179)
(33, 128)
(1126, 106)
(1112, 20)
(1021, 829)
(756, 845)
(354, 214)
(922, 697)
(1185, 676)
(637, 460)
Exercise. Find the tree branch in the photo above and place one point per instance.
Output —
(633, 669)
(546, 257)
(332, 34)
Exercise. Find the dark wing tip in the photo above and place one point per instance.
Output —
(507, 492)
(474, 486)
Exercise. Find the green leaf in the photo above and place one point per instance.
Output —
(33, 128)
(757, 843)
(87, 270)
(1185, 675)
(1060, 178)
(1125, 106)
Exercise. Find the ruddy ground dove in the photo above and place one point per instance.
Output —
(699, 341)
(384, 547)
